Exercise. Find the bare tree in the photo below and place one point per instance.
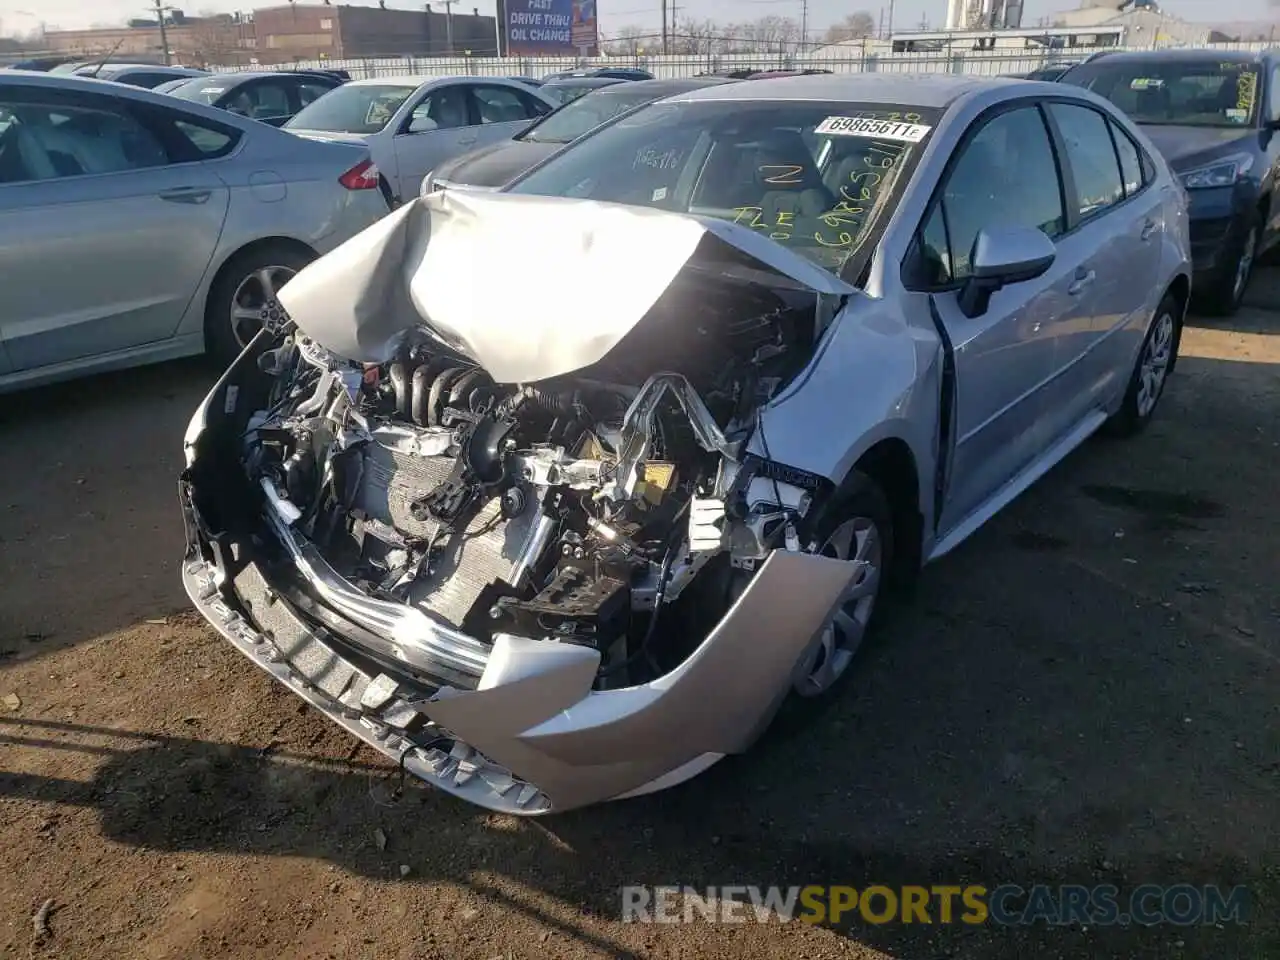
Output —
(771, 34)
(628, 41)
(697, 37)
(855, 26)
(215, 41)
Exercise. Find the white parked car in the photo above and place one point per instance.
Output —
(410, 124)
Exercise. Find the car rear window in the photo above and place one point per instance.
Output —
(354, 108)
(202, 90)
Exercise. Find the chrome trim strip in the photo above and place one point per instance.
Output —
(416, 638)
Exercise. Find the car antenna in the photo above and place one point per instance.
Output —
(103, 62)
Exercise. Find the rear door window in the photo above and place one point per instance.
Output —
(49, 135)
(499, 104)
(1092, 157)
(1130, 160)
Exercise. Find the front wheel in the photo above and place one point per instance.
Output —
(1226, 294)
(857, 528)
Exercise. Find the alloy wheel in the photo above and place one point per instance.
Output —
(858, 540)
(254, 298)
(1153, 366)
(1244, 269)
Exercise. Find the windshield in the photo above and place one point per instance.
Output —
(355, 108)
(201, 90)
(815, 177)
(1191, 93)
(585, 113)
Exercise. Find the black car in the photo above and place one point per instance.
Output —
(1214, 115)
(343, 75)
(616, 73)
(272, 97)
(499, 163)
(564, 91)
(145, 75)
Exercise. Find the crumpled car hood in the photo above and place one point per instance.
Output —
(528, 287)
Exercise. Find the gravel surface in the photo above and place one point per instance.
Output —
(1085, 692)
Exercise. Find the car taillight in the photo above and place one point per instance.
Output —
(363, 176)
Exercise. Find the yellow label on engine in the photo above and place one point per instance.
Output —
(656, 481)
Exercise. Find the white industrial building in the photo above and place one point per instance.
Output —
(984, 14)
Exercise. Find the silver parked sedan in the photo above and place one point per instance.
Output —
(136, 228)
(412, 124)
(758, 351)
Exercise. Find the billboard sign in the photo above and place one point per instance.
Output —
(539, 27)
(583, 31)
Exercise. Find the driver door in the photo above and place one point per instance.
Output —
(438, 127)
(1005, 175)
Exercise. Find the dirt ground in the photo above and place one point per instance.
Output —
(1085, 692)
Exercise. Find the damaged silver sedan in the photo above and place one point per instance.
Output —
(554, 495)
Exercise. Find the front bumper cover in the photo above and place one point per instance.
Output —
(531, 736)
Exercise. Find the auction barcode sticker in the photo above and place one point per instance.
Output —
(864, 127)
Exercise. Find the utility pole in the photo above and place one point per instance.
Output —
(159, 8)
(664, 28)
(804, 24)
(891, 3)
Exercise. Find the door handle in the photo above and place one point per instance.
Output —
(466, 141)
(186, 195)
(1081, 283)
(1148, 229)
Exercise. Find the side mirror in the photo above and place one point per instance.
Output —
(422, 125)
(1002, 256)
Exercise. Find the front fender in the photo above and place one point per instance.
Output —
(874, 378)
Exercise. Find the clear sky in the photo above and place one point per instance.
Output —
(20, 16)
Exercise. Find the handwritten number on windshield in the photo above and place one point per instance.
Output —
(781, 228)
(1246, 91)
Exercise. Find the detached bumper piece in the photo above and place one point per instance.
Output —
(377, 708)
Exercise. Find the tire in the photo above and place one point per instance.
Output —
(859, 522)
(1225, 293)
(1142, 396)
(238, 285)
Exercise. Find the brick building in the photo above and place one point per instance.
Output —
(289, 32)
(226, 40)
(300, 31)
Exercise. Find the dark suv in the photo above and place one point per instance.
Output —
(1215, 116)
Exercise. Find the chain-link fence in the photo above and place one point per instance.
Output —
(869, 56)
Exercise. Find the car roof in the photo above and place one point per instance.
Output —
(241, 76)
(668, 86)
(404, 80)
(120, 91)
(145, 66)
(583, 82)
(921, 90)
(1183, 55)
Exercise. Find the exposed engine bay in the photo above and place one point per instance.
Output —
(613, 507)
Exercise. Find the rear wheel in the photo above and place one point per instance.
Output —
(1155, 361)
(245, 293)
